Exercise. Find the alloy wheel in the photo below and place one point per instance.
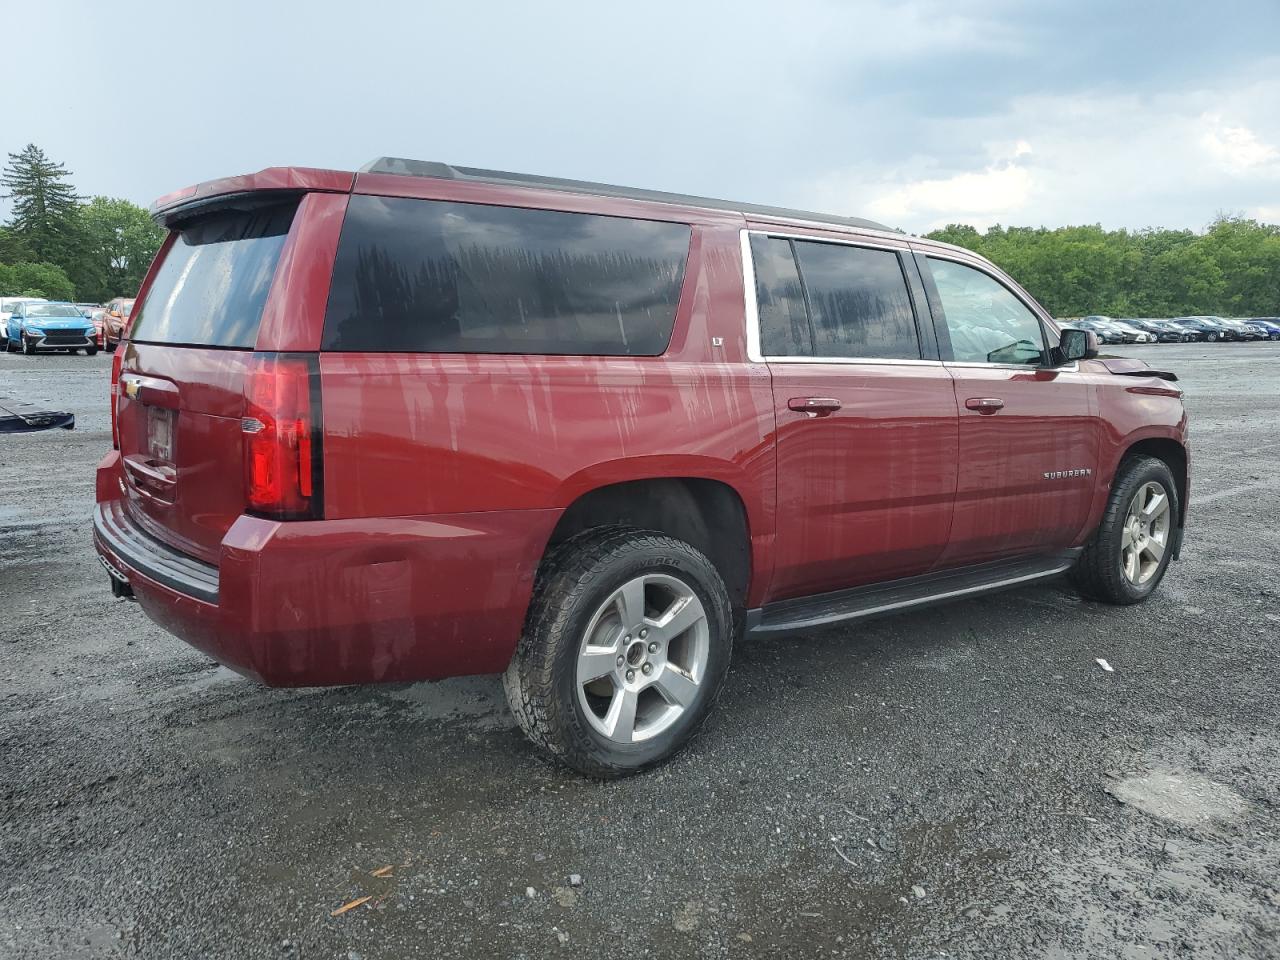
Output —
(643, 658)
(1145, 536)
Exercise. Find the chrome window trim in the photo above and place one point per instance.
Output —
(1073, 367)
(752, 306)
(841, 241)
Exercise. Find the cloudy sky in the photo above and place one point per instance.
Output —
(914, 112)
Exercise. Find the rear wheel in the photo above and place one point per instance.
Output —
(624, 651)
(1128, 556)
(1211, 337)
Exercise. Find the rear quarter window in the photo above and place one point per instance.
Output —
(213, 284)
(440, 277)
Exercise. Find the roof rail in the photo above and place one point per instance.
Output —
(444, 171)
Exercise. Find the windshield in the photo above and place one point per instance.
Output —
(53, 310)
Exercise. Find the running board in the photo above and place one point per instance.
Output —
(879, 599)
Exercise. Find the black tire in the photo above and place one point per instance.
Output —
(1098, 574)
(1211, 337)
(90, 351)
(111, 347)
(27, 348)
(574, 580)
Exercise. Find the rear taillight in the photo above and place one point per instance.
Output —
(116, 360)
(281, 429)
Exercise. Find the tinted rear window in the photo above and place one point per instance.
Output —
(213, 284)
(437, 277)
(784, 321)
(859, 302)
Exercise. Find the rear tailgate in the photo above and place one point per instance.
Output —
(181, 391)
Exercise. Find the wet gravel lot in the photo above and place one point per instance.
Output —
(962, 782)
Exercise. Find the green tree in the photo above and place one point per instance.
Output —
(118, 242)
(45, 206)
(1232, 268)
(35, 280)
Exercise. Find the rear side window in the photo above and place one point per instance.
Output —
(438, 277)
(212, 286)
(784, 322)
(858, 301)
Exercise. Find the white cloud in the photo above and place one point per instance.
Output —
(1236, 149)
(1122, 160)
(988, 195)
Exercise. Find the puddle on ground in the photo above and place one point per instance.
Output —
(478, 698)
(1180, 797)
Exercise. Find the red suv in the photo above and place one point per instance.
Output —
(422, 421)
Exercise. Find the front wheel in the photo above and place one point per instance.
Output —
(91, 351)
(28, 348)
(624, 651)
(1128, 556)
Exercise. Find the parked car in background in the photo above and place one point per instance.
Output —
(1270, 325)
(7, 306)
(99, 318)
(1107, 332)
(1210, 328)
(599, 436)
(1161, 331)
(1244, 330)
(117, 320)
(56, 325)
(1138, 334)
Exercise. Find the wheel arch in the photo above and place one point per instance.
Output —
(708, 513)
(1174, 454)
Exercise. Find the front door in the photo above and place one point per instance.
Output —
(1028, 433)
(866, 426)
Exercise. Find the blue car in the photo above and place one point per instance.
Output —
(1270, 324)
(50, 326)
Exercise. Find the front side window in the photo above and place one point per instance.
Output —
(858, 302)
(985, 321)
(440, 277)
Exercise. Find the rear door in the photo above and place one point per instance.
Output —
(865, 412)
(1028, 432)
(181, 398)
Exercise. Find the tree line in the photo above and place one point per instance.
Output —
(61, 246)
(1231, 269)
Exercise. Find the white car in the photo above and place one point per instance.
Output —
(1142, 335)
(6, 308)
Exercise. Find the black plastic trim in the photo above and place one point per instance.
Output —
(157, 561)
(882, 599)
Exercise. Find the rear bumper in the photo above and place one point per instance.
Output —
(327, 602)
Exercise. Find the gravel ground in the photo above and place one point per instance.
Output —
(964, 782)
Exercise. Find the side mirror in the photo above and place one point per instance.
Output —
(1077, 345)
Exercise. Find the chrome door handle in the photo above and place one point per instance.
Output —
(985, 405)
(814, 406)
